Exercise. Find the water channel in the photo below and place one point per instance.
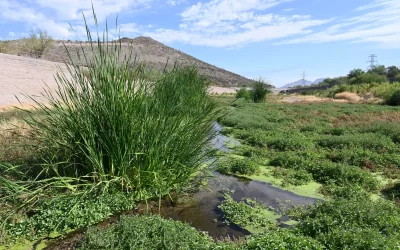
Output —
(202, 211)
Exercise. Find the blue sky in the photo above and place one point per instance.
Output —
(273, 39)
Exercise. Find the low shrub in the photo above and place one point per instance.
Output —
(243, 93)
(347, 191)
(355, 223)
(147, 232)
(238, 166)
(388, 128)
(66, 213)
(295, 160)
(282, 240)
(245, 213)
(364, 158)
(292, 177)
(340, 174)
(367, 141)
(288, 142)
(394, 99)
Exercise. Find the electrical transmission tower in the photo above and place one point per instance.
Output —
(372, 60)
(304, 75)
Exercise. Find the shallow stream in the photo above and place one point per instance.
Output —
(202, 212)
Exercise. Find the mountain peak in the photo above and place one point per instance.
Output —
(301, 83)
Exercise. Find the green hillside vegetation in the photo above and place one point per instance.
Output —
(381, 82)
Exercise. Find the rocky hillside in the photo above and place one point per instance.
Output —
(156, 55)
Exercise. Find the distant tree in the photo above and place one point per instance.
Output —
(37, 43)
(369, 78)
(334, 81)
(393, 74)
(379, 70)
(355, 73)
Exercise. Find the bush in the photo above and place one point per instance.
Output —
(355, 223)
(111, 123)
(243, 93)
(292, 177)
(325, 172)
(394, 99)
(259, 91)
(368, 78)
(238, 166)
(147, 232)
(282, 240)
(246, 213)
(367, 141)
(66, 213)
(37, 43)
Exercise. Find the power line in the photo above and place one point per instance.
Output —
(372, 61)
(304, 75)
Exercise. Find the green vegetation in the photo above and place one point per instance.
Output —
(354, 223)
(146, 232)
(111, 137)
(4, 47)
(384, 91)
(107, 138)
(152, 232)
(379, 82)
(37, 43)
(258, 92)
(343, 147)
(237, 166)
(395, 99)
(248, 214)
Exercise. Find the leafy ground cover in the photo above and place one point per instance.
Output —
(327, 143)
(350, 150)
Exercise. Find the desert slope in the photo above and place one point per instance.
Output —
(156, 55)
(25, 75)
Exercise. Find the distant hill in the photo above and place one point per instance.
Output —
(300, 83)
(156, 55)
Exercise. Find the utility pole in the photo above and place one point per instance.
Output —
(372, 61)
(304, 75)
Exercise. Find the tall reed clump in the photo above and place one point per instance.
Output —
(259, 91)
(109, 126)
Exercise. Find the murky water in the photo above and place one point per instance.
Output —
(221, 142)
(202, 211)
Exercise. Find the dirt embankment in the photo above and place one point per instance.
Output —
(22, 75)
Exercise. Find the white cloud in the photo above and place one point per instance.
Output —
(72, 9)
(55, 16)
(288, 9)
(229, 23)
(176, 2)
(379, 24)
